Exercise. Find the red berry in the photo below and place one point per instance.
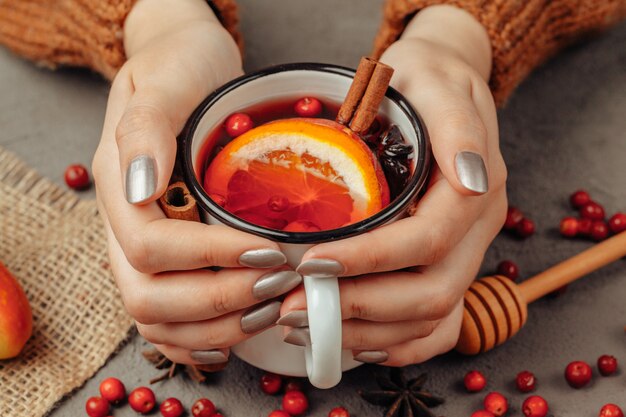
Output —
(592, 210)
(271, 383)
(509, 269)
(611, 410)
(482, 413)
(112, 390)
(617, 223)
(279, 413)
(295, 403)
(338, 412)
(599, 230)
(203, 408)
(294, 385)
(525, 381)
(238, 124)
(474, 381)
(171, 407)
(513, 217)
(607, 365)
(579, 198)
(525, 228)
(569, 226)
(142, 400)
(77, 177)
(578, 374)
(97, 407)
(584, 227)
(308, 107)
(496, 403)
(535, 406)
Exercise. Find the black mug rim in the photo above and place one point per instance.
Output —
(415, 187)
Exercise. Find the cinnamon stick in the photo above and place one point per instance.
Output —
(178, 203)
(373, 96)
(357, 90)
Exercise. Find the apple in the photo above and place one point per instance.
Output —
(16, 318)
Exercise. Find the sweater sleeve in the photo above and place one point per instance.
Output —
(523, 33)
(81, 33)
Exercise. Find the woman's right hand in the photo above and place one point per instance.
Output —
(178, 53)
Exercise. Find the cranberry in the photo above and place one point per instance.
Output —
(513, 217)
(525, 381)
(569, 226)
(295, 403)
(509, 269)
(584, 227)
(112, 390)
(294, 385)
(279, 413)
(238, 124)
(611, 410)
(308, 107)
(97, 407)
(171, 407)
(592, 210)
(271, 383)
(578, 374)
(599, 230)
(482, 413)
(77, 177)
(579, 198)
(338, 412)
(607, 365)
(203, 408)
(142, 400)
(535, 406)
(525, 228)
(617, 223)
(496, 403)
(474, 381)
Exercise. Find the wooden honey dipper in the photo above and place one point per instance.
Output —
(496, 308)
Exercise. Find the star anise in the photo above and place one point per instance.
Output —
(401, 397)
(196, 372)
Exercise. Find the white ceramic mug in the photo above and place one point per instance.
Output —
(323, 361)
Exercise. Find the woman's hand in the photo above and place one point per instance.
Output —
(178, 53)
(397, 318)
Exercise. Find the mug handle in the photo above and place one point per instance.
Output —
(323, 355)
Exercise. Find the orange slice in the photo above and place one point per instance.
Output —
(298, 175)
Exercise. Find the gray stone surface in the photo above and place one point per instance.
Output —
(563, 130)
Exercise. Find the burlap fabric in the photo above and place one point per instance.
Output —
(54, 244)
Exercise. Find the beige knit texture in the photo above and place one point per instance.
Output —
(55, 245)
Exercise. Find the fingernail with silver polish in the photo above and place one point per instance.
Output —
(470, 168)
(299, 337)
(275, 283)
(208, 357)
(260, 317)
(320, 268)
(296, 318)
(262, 258)
(140, 179)
(372, 356)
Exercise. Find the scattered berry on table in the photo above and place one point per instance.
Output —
(525, 228)
(482, 413)
(271, 383)
(295, 403)
(474, 381)
(525, 381)
(607, 365)
(513, 217)
(294, 385)
(592, 210)
(77, 177)
(238, 124)
(308, 107)
(142, 400)
(338, 412)
(569, 227)
(578, 374)
(611, 410)
(599, 230)
(509, 269)
(203, 408)
(584, 227)
(279, 413)
(172, 407)
(112, 390)
(579, 198)
(496, 403)
(617, 223)
(97, 407)
(535, 406)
